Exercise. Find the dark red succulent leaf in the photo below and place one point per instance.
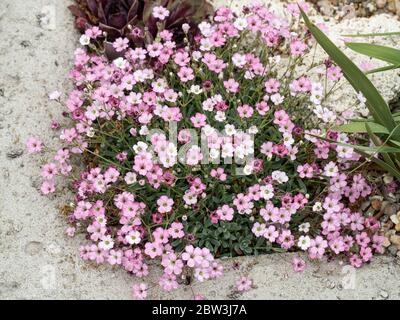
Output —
(118, 17)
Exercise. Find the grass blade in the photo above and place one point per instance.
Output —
(383, 34)
(388, 54)
(376, 104)
(387, 68)
(361, 127)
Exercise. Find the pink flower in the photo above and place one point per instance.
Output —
(34, 145)
(139, 291)
(165, 204)
(176, 230)
(193, 156)
(48, 187)
(271, 234)
(121, 44)
(272, 86)
(168, 282)
(153, 249)
(356, 261)
(334, 73)
(231, 85)
(70, 231)
(244, 284)
(245, 111)
(49, 171)
(160, 12)
(297, 48)
(199, 120)
(172, 264)
(317, 247)
(298, 264)
(186, 74)
(55, 95)
(225, 213)
(182, 58)
(192, 256)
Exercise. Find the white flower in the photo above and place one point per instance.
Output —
(55, 95)
(195, 89)
(249, 75)
(253, 130)
(387, 178)
(304, 227)
(267, 192)
(84, 40)
(106, 243)
(280, 176)
(248, 169)
(214, 153)
(130, 178)
(239, 60)
(208, 130)
(240, 24)
(227, 150)
(90, 132)
(205, 29)
(133, 237)
(134, 98)
(317, 89)
(120, 63)
(205, 44)
(277, 99)
(316, 99)
(160, 12)
(196, 55)
(331, 169)
(144, 131)
(140, 147)
(288, 139)
(230, 129)
(304, 242)
(220, 116)
(189, 198)
(361, 98)
(185, 28)
(344, 152)
(317, 207)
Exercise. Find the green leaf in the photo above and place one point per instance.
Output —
(378, 143)
(392, 170)
(383, 34)
(376, 104)
(383, 53)
(383, 69)
(360, 127)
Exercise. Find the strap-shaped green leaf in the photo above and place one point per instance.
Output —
(360, 127)
(383, 53)
(376, 104)
(383, 69)
(383, 34)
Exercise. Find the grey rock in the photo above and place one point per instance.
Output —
(13, 154)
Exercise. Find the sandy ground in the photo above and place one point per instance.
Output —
(37, 260)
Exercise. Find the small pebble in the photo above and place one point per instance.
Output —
(383, 294)
(392, 250)
(15, 154)
(395, 239)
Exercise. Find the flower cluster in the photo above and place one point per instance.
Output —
(200, 152)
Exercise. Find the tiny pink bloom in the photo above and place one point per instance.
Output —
(244, 284)
(34, 145)
(48, 187)
(139, 291)
(299, 265)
